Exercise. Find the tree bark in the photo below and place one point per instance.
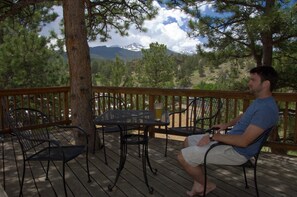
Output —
(267, 49)
(79, 65)
(267, 39)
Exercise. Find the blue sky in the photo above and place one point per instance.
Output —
(168, 28)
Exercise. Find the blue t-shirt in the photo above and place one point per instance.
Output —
(262, 113)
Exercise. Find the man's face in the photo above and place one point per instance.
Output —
(255, 84)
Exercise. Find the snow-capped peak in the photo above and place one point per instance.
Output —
(133, 47)
(188, 52)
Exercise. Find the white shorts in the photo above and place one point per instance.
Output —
(222, 155)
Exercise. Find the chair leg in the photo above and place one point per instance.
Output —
(23, 178)
(94, 142)
(47, 169)
(64, 181)
(139, 155)
(166, 142)
(87, 163)
(245, 179)
(255, 180)
(104, 150)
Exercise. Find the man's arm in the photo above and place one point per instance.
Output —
(251, 133)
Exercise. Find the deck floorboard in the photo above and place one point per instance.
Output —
(276, 174)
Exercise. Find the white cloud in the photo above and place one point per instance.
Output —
(169, 28)
(54, 26)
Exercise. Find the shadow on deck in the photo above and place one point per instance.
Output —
(276, 174)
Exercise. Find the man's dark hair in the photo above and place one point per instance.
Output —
(266, 73)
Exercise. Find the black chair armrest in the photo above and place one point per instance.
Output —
(213, 129)
(177, 112)
(214, 145)
(51, 141)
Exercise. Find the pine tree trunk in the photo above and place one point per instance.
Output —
(267, 49)
(267, 39)
(79, 65)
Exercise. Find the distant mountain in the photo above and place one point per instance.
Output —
(110, 53)
(134, 47)
(129, 52)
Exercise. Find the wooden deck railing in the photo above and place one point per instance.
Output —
(55, 102)
(52, 101)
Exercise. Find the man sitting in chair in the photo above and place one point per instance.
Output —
(259, 116)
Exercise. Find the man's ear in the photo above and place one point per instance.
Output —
(266, 83)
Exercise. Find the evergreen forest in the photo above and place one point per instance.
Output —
(28, 59)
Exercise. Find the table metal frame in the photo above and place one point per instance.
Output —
(123, 119)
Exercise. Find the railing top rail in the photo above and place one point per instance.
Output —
(20, 91)
(192, 92)
(152, 91)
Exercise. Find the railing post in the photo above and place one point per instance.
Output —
(246, 103)
(151, 107)
(1, 113)
(3, 110)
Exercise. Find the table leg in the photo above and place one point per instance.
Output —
(145, 148)
(154, 171)
(123, 154)
(145, 159)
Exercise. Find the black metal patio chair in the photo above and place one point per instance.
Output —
(201, 112)
(251, 163)
(36, 135)
(99, 105)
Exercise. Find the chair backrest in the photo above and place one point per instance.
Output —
(101, 104)
(203, 111)
(262, 138)
(28, 124)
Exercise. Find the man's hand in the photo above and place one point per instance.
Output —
(204, 140)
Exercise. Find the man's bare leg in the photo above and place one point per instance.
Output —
(197, 174)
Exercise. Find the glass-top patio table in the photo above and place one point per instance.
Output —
(125, 118)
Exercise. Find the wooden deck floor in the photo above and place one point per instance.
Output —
(276, 174)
